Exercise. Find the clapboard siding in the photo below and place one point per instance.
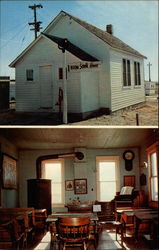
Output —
(28, 93)
(93, 45)
(74, 92)
(124, 96)
(90, 91)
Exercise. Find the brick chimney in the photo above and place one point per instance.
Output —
(109, 29)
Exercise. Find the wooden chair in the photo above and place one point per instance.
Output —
(73, 232)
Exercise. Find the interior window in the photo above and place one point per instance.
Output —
(153, 173)
(53, 169)
(154, 177)
(107, 178)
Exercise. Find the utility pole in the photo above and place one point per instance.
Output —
(149, 65)
(36, 24)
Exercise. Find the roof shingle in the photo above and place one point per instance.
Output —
(113, 41)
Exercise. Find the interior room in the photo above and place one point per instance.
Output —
(107, 175)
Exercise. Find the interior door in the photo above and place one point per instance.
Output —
(46, 95)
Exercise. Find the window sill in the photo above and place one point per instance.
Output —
(127, 87)
(58, 205)
(137, 87)
(29, 82)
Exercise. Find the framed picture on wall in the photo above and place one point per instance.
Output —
(9, 172)
(69, 185)
(80, 186)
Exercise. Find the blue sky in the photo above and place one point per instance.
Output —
(134, 22)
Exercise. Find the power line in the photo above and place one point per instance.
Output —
(14, 27)
(36, 24)
(13, 37)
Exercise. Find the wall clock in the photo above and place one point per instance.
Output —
(128, 156)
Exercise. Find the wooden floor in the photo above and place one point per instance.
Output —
(106, 242)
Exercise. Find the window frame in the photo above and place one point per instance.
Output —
(137, 73)
(126, 67)
(62, 204)
(27, 77)
(117, 173)
(60, 73)
(150, 150)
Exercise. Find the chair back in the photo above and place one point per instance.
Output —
(73, 229)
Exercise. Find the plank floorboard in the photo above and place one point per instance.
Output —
(106, 242)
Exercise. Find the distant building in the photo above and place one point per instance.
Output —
(102, 71)
(4, 92)
(151, 88)
(12, 90)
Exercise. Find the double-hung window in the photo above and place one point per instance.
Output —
(126, 73)
(153, 172)
(107, 177)
(137, 75)
(54, 169)
(29, 75)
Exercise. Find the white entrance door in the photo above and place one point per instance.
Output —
(45, 79)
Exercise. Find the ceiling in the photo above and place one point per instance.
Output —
(68, 138)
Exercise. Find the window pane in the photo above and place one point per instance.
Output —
(29, 74)
(135, 72)
(53, 171)
(154, 188)
(124, 72)
(107, 171)
(107, 191)
(129, 72)
(139, 78)
(60, 73)
(56, 193)
(154, 164)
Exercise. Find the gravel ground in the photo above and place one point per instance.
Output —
(147, 113)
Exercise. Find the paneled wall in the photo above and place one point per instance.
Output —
(86, 169)
(9, 197)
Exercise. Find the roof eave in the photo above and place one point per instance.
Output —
(74, 47)
(127, 52)
(62, 13)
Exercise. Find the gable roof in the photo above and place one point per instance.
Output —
(113, 41)
(76, 51)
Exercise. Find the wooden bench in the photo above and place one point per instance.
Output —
(40, 219)
(27, 216)
(12, 233)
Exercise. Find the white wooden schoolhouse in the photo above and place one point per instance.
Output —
(101, 70)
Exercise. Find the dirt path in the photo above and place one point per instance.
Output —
(147, 113)
(148, 116)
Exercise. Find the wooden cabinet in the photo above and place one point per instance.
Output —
(39, 194)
